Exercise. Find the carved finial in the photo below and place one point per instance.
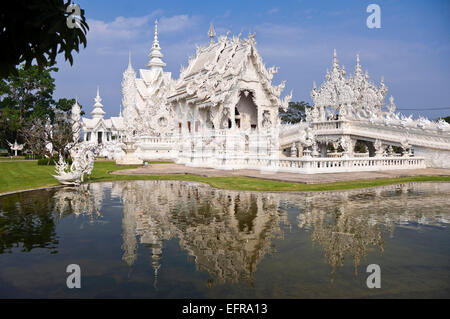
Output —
(98, 99)
(358, 69)
(211, 33)
(129, 60)
(335, 61)
(314, 85)
(155, 38)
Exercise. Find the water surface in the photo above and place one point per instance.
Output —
(173, 239)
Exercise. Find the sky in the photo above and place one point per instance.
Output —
(411, 49)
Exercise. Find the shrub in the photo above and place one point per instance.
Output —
(29, 156)
(46, 161)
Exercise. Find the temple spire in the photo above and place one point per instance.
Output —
(211, 34)
(98, 112)
(155, 53)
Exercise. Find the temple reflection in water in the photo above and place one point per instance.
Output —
(229, 232)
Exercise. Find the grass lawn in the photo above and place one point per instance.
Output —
(25, 175)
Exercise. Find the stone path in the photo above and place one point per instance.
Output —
(164, 169)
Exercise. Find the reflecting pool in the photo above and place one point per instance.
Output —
(173, 239)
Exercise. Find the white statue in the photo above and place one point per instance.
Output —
(15, 147)
(82, 154)
(82, 163)
(65, 175)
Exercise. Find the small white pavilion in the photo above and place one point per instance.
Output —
(98, 130)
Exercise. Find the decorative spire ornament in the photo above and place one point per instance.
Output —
(130, 66)
(211, 34)
(98, 112)
(155, 53)
(335, 62)
(358, 69)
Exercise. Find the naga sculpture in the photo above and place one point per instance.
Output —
(83, 163)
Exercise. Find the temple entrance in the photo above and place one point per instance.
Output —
(246, 115)
(99, 137)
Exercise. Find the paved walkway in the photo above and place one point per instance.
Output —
(164, 169)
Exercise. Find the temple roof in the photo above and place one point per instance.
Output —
(113, 123)
(218, 67)
(350, 95)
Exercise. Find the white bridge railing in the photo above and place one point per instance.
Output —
(305, 165)
(332, 165)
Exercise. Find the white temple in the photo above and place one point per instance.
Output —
(97, 130)
(222, 112)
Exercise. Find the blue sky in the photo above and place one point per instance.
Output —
(411, 49)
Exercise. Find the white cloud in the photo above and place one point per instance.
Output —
(120, 27)
(136, 27)
(272, 11)
(177, 23)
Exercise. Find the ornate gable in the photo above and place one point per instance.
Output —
(218, 71)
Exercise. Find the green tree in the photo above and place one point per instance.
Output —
(37, 30)
(65, 105)
(26, 96)
(446, 119)
(295, 112)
